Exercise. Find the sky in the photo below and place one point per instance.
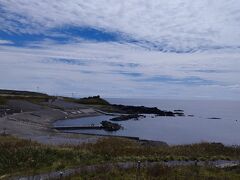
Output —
(178, 49)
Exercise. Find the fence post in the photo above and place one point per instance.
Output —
(60, 174)
(138, 170)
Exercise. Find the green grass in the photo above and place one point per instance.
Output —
(33, 99)
(26, 157)
(123, 148)
(92, 100)
(3, 100)
(20, 93)
(29, 157)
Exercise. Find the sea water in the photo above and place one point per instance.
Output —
(204, 121)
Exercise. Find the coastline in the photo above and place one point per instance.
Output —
(32, 117)
(37, 125)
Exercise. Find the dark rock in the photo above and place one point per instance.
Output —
(214, 118)
(109, 126)
(142, 110)
(127, 117)
(178, 110)
(179, 113)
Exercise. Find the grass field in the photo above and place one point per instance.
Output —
(2, 100)
(27, 157)
(159, 172)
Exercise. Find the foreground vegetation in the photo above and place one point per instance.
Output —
(2, 100)
(162, 172)
(27, 157)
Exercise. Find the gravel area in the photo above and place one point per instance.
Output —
(35, 122)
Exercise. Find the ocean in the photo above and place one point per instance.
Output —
(204, 121)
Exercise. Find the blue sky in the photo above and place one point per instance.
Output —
(149, 49)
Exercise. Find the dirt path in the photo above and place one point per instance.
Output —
(122, 165)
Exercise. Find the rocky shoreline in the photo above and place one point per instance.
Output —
(127, 117)
(142, 110)
(31, 115)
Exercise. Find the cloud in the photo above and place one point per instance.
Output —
(169, 26)
(209, 71)
(78, 62)
(119, 64)
(190, 81)
(130, 74)
(5, 42)
(118, 70)
(130, 48)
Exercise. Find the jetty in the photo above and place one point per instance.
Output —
(106, 125)
(78, 127)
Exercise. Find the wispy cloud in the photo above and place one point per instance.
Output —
(129, 73)
(210, 71)
(129, 48)
(176, 26)
(5, 42)
(117, 70)
(189, 81)
(65, 61)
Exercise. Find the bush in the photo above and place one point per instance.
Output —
(2, 100)
(93, 100)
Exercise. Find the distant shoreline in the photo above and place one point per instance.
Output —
(33, 115)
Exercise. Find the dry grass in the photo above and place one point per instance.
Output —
(117, 147)
(159, 172)
(25, 156)
(2, 100)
